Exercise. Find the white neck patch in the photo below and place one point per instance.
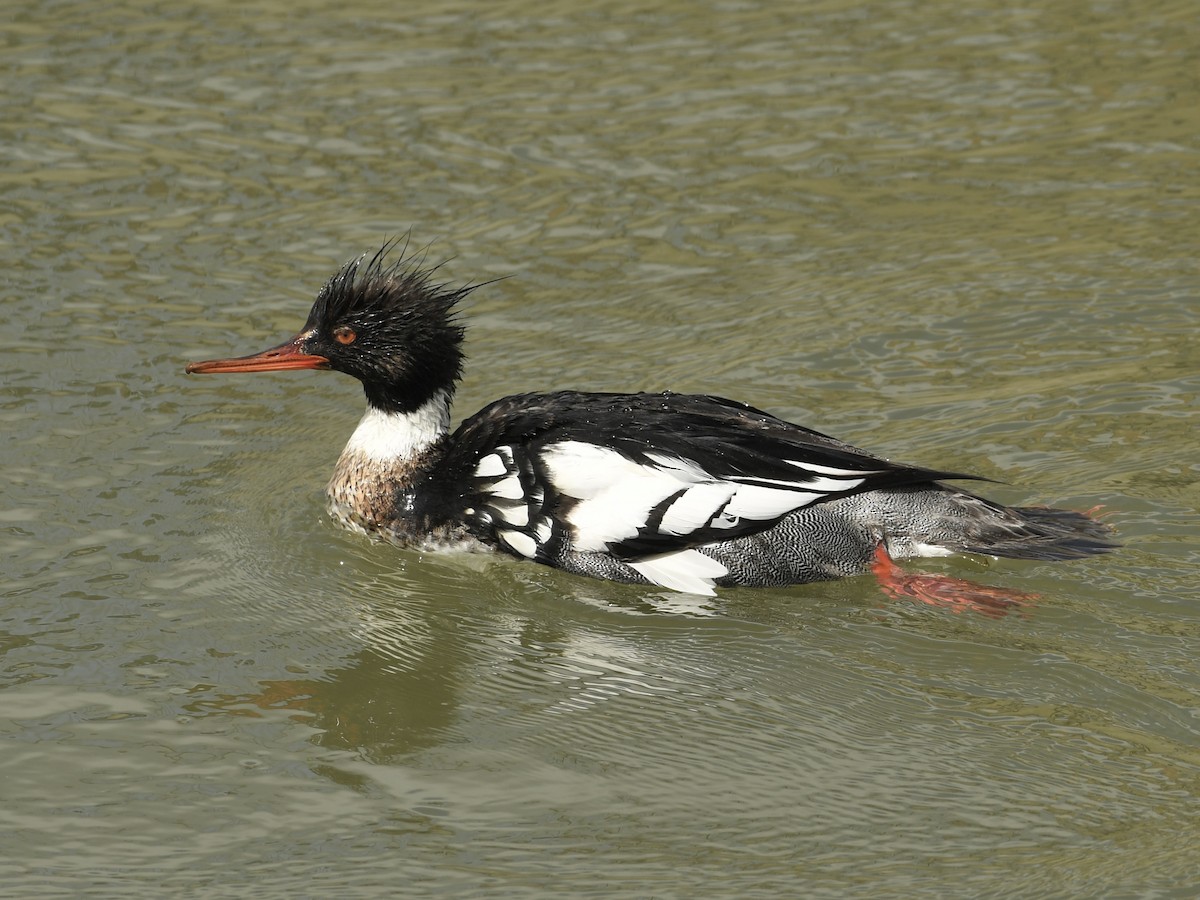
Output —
(387, 437)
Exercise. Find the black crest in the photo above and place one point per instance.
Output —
(405, 340)
(373, 290)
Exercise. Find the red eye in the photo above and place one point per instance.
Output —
(344, 334)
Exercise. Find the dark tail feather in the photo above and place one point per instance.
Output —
(1042, 532)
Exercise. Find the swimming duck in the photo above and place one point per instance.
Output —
(689, 492)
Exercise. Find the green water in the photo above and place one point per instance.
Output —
(960, 237)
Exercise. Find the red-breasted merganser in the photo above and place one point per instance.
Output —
(679, 490)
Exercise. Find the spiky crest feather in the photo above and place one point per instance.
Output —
(407, 342)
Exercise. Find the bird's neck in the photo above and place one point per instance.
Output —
(388, 439)
(373, 479)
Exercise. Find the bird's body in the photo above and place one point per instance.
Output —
(683, 491)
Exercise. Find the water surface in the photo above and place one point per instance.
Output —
(959, 237)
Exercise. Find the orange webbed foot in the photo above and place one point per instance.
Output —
(955, 594)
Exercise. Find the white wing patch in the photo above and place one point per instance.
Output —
(608, 498)
(618, 498)
(833, 485)
(517, 514)
(509, 488)
(616, 493)
(491, 466)
(689, 571)
(833, 470)
(752, 502)
(586, 471)
(519, 541)
(695, 507)
(514, 506)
